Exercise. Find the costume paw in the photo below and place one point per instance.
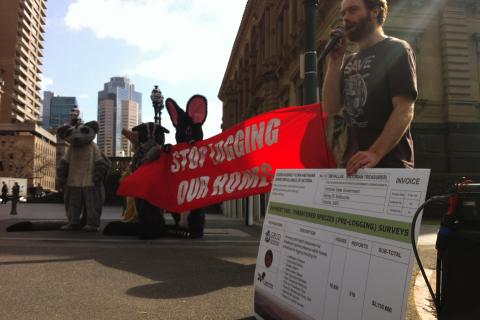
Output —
(89, 228)
(69, 227)
(195, 234)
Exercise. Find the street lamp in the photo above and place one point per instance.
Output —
(157, 102)
(2, 83)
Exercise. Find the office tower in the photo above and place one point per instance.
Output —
(22, 25)
(119, 107)
(60, 108)
(47, 98)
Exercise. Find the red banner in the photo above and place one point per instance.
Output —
(239, 162)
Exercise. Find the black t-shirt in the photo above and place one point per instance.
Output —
(371, 78)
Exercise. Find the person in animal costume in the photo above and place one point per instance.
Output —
(80, 174)
(130, 213)
(150, 222)
(188, 128)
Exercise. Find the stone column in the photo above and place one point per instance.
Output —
(239, 208)
(256, 208)
(456, 63)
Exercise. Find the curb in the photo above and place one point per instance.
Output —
(421, 296)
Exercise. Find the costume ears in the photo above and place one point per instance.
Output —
(197, 109)
(62, 130)
(145, 128)
(164, 130)
(93, 125)
(130, 135)
(174, 111)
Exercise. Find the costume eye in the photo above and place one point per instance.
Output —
(84, 130)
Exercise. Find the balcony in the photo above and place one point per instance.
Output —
(23, 52)
(21, 60)
(19, 98)
(21, 88)
(21, 69)
(25, 5)
(19, 109)
(21, 79)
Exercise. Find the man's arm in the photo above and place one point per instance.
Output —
(331, 95)
(395, 128)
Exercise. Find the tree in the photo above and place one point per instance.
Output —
(22, 160)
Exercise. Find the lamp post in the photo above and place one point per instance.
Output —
(157, 102)
(2, 83)
(311, 81)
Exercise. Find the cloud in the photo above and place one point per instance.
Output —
(84, 96)
(45, 82)
(190, 39)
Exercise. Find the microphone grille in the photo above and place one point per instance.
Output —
(339, 31)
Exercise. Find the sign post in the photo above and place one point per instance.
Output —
(338, 247)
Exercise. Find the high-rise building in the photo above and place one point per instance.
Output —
(26, 149)
(60, 108)
(22, 25)
(119, 107)
(47, 98)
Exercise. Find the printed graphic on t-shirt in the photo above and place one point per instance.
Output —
(355, 91)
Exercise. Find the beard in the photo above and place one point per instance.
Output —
(357, 31)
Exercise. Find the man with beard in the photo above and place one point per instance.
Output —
(374, 90)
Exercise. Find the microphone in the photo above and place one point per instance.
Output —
(337, 34)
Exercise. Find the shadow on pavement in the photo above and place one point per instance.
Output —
(176, 271)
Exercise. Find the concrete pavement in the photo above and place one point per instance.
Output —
(78, 275)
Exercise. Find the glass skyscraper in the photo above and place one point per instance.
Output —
(60, 108)
(112, 117)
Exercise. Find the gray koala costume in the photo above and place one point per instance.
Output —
(81, 174)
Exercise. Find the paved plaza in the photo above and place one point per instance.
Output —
(78, 275)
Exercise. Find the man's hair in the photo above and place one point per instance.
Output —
(382, 5)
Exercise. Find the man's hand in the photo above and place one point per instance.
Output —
(337, 53)
(362, 159)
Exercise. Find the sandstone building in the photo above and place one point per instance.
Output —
(28, 151)
(265, 71)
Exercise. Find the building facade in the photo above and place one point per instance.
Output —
(130, 118)
(119, 107)
(265, 71)
(28, 151)
(60, 110)
(47, 98)
(22, 25)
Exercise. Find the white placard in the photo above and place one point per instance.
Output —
(338, 247)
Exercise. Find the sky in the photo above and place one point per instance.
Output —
(183, 46)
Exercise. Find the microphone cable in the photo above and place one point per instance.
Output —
(440, 198)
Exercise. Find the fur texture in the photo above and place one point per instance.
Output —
(80, 174)
(150, 222)
(188, 128)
